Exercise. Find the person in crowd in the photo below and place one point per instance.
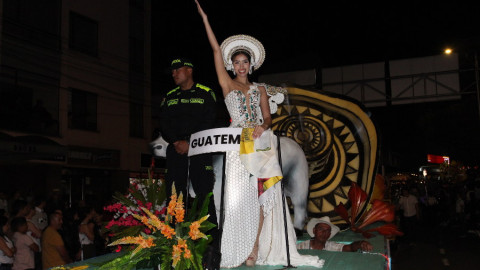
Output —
(40, 218)
(55, 202)
(3, 202)
(53, 248)
(69, 233)
(20, 208)
(36, 235)
(7, 248)
(26, 247)
(189, 108)
(86, 232)
(253, 205)
(322, 230)
(411, 214)
(16, 196)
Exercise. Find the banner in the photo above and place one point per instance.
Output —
(215, 140)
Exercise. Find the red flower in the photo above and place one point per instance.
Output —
(357, 197)
(380, 211)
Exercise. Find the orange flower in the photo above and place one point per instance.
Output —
(187, 254)
(167, 231)
(141, 241)
(176, 255)
(182, 243)
(179, 211)
(195, 232)
(172, 204)
(153, 221)
(144, 220)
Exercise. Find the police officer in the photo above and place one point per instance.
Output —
(188, 108)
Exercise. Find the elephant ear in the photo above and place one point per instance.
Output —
(340, 142)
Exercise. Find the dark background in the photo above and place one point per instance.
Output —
(300, 35)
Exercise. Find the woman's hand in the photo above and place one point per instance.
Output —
(200, 10)
(258, 131)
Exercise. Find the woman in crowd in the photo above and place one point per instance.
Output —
(7, 249)
(26, 247)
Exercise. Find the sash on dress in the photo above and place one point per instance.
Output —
(260, 158)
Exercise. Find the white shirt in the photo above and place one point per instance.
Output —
(408, 204)
(329, 246)
(4, 258)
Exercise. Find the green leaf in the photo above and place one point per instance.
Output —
(192, 211)
(206, 226)
(204, 210)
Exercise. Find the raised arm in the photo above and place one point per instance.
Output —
(223, 78)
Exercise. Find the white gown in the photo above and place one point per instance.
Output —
(242, 207)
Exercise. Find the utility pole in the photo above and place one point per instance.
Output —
(476, 82)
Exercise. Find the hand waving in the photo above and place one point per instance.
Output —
(200, 10)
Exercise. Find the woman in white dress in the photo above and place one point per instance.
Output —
(253, 230)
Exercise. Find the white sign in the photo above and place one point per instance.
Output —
(215, 140)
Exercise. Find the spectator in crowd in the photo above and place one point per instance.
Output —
(3, 202)
(53, 248)
(322, 230)
(69, 233)
(7, 249)
(24, 257)
(15, 197)
(20, 208)
(40, 218)
(86, 232)
(411, 214)
(36, 235)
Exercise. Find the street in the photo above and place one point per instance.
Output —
(438, 247)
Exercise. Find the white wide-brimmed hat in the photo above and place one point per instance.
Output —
(314, 221)
(242, 43)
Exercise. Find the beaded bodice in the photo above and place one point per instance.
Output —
(244, 110)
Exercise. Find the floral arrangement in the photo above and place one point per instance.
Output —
(155, 233)
(379, 211)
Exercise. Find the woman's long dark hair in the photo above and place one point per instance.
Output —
(3, 222)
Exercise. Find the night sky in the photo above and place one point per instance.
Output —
(300, 35)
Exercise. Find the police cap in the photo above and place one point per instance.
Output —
(180, 62)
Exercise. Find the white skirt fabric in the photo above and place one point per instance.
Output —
(242, 210)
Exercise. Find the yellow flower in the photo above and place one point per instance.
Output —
(195, 232)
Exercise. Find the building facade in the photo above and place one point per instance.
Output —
(75, 106)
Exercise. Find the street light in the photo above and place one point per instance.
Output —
(449, 51)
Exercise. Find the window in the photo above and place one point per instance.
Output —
(136, 120)
(83, 34)
(82, 110)
(137, 55)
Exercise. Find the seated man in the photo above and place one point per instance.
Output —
(321, 229)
